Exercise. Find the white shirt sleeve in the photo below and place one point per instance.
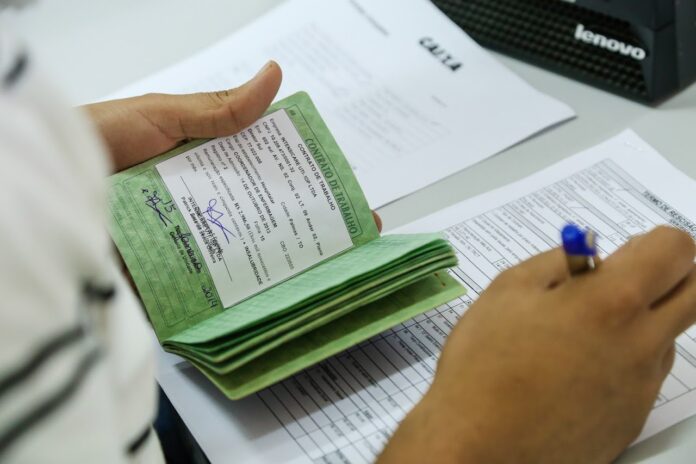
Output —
(76, 368)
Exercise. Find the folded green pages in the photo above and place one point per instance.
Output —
(256, 255)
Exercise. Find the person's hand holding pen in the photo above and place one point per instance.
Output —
(549, 368)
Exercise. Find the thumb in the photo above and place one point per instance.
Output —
(216, 114)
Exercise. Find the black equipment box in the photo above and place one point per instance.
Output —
(642, 49)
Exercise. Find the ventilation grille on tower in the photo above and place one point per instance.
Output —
(543, 32)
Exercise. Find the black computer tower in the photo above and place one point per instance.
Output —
(642, 49)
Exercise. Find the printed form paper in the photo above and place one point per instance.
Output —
(346, 408)
(406, 93)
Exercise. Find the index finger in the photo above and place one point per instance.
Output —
(649, 267)
(378, 220)
(676, 312)
(545, 270)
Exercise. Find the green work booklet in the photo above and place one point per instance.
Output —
(256, 255)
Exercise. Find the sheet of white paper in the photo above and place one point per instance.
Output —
(620, 188)
(381, 73)
(344, 409)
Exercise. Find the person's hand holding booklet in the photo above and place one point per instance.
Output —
(256, 255)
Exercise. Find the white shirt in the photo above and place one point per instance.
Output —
(76, 368)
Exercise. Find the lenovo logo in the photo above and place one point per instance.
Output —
(613, 45)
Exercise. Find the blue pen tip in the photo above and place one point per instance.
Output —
(570, 233)
(575, 241)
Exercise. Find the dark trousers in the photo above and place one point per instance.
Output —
(178, 444)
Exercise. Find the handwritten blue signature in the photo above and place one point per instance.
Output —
(214, 217)
(154, 201)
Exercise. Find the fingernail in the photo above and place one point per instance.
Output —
(265, 68)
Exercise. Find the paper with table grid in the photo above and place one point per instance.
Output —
(345, 409)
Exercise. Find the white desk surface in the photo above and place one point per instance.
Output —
(94, 47)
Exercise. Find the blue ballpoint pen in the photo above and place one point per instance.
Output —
(580, 248)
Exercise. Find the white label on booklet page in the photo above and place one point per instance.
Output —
(253, 211)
